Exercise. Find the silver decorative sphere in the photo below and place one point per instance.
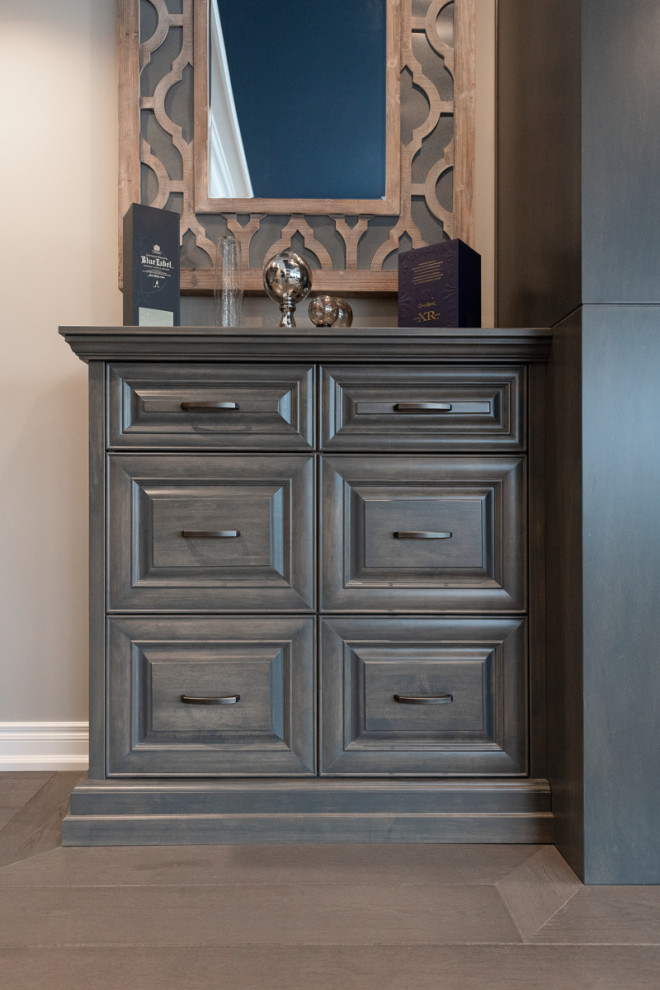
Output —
(287, 280)
(323, 311)
(344, 314)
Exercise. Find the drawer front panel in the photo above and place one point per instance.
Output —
(211, 696)
(223, 407)
(211, 533)
(415, 696)
(415, 534)
(422, 408)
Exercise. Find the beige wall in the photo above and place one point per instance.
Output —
(58, 109)
(57, 266)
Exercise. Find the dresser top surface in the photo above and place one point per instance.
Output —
(307, 344)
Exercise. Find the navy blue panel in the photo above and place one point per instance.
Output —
(327, 55)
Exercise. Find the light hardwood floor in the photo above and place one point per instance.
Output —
(304, 917)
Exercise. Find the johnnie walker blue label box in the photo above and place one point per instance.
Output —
(440, 286)
(151, 267)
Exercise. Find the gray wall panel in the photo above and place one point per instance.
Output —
(621, 567)
(538, 161)
(621, 150)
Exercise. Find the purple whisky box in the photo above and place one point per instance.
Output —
(440, 286)
(152, 267)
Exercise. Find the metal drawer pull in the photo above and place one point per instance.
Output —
(412, 534)
(210, 406)
(440, 699)
(210, 534)
(229, 699)
(412, 407)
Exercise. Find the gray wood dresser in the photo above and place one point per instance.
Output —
(316, 586)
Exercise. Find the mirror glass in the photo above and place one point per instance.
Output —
(300, 106)
(297, 99)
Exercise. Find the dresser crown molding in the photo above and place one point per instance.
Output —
(371, 343)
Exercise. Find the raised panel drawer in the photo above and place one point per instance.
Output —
(418, 534)
(415, 407)
(223, 407)
(211, 697)
(215, 533)
(423, 696)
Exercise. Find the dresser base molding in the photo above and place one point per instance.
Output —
(188, 812)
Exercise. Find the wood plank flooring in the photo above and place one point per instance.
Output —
(318, 917)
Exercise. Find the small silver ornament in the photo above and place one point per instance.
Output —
(323, 311)
(287, 280)
(344, 314)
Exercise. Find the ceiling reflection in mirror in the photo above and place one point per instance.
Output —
(298, 99)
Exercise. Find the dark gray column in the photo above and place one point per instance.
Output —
(621, 439)
(603, 395)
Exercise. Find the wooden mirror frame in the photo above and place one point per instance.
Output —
(356, 274)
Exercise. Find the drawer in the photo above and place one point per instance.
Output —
(211, 532)
(423, 696)
(423, 534)
(220, 406)
(422, 408)
(249, 690)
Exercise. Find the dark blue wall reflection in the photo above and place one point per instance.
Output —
(309, 85)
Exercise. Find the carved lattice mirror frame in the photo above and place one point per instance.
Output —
(348, 253)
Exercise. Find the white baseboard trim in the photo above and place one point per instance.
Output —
(44, 746)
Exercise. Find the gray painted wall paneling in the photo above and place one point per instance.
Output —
(621, 581)
(621, 150)
(538, 162)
